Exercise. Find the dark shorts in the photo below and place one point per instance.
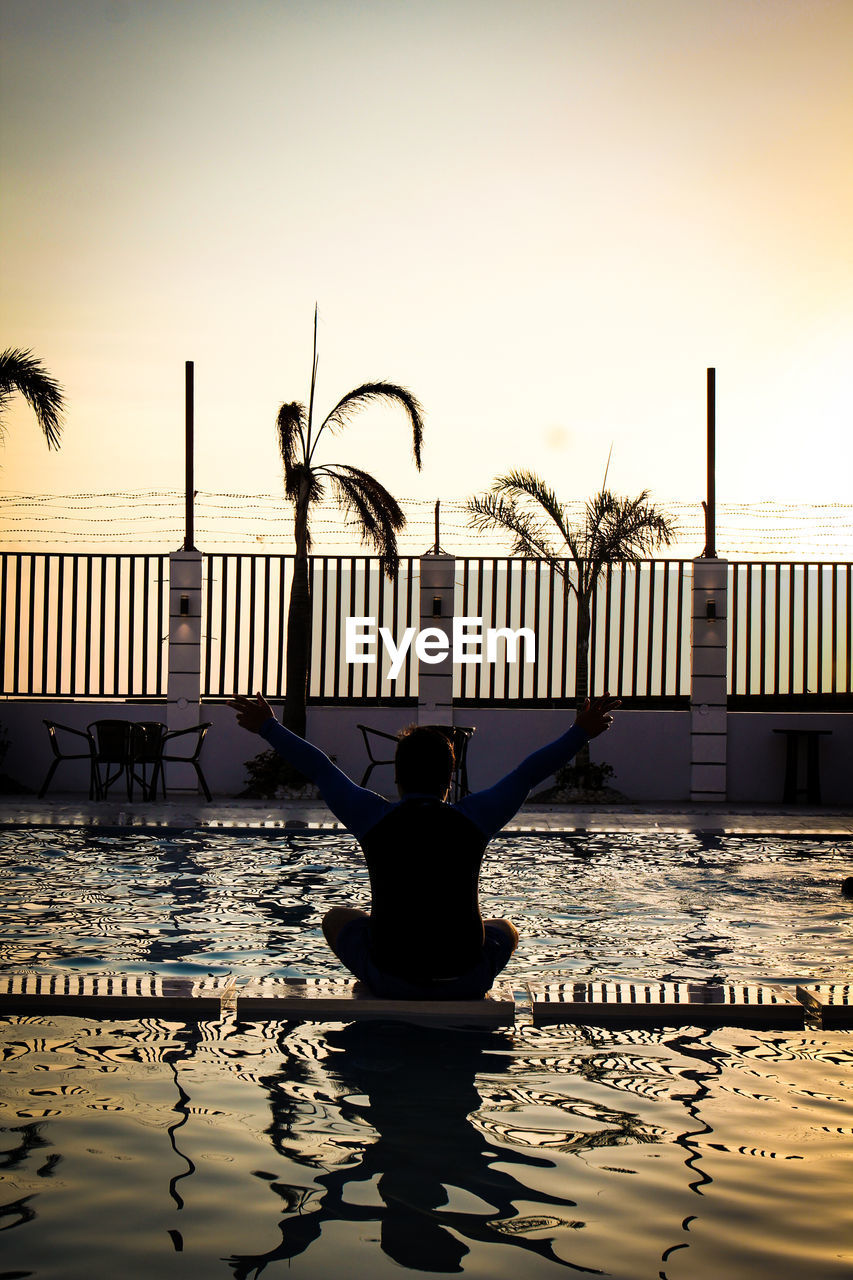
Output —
(352, 950)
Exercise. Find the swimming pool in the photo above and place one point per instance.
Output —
(246, 1149)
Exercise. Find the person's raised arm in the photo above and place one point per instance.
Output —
(357, 808)
(492, 808)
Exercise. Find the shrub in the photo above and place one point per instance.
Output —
(587, 776)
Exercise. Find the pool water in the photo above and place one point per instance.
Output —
(163, 1148)
(615, 905)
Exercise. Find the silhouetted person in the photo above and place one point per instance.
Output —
(424, 938)
(415, 1089)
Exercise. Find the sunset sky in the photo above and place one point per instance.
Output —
(546, 219)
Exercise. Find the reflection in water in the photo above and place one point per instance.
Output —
(414, 1087)
(692, 1046)
(628, 1153)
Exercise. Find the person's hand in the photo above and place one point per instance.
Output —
(594, 716)
(251, 712)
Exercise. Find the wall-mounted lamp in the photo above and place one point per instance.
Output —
(436, 606)
(185, 606)
(710, 609)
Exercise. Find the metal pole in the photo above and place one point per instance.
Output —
(189, 541)
(436, 548)
(711, 504)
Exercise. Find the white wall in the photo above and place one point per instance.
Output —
(756, 755)
(649, 750)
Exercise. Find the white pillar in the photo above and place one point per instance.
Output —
(184, 684)
(709, 659)
(435, 679)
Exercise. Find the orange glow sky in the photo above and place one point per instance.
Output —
(546, 219)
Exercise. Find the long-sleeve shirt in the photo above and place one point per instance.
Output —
(423, 855)
(360, 809)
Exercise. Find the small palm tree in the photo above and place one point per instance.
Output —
(377, 514)
(613, 530)
(23, 374)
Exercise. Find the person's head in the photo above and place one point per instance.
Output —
(847, 887)
(423, 761)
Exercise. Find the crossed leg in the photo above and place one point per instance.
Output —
(337, 918)
(506, 927)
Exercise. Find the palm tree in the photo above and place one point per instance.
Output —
(22, 373)
(377, 514)
(613, 530)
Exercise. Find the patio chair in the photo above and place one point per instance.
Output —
(146, 745)
(53, 729)
(113, 751)
(367, 733)
(159, 772)
(459, 737)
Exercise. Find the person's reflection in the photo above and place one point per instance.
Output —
(420, 1092)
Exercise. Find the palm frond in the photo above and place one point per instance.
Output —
(528, 486)
(22, 372)
(627, 528)
(356, 399)
(297, 477)
(530, 537)
(289, 426)
(377, 514)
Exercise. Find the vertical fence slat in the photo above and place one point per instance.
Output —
(791, 602)
(4, 586)
(805, 680)
(163, 620)
(549, 683)
(776, 626)
(833, 654)
(45, 628)
(223, 620)
(96, 618)
(477, 674)
(16, 647)
(60, 606)
(336, 648)
(650, 627)
(282, 625)
(819, 569)
(32, 621)
(131, 629)
(679, 623)
(380, 622)
(102, 628)
(408, 686)
(750, 615)
(605, 676)
(734, 626)
(253, 600)
(320, 565)
(664, 629)
(762, 630)
(635, 655)
(620, 652)
(144, 680)
(116, 629)
(265, 653)
(848, 636)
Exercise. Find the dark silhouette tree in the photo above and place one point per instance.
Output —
(378, 516)
(21, 373)
(613, 530)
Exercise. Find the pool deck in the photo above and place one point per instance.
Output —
(191, 811)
